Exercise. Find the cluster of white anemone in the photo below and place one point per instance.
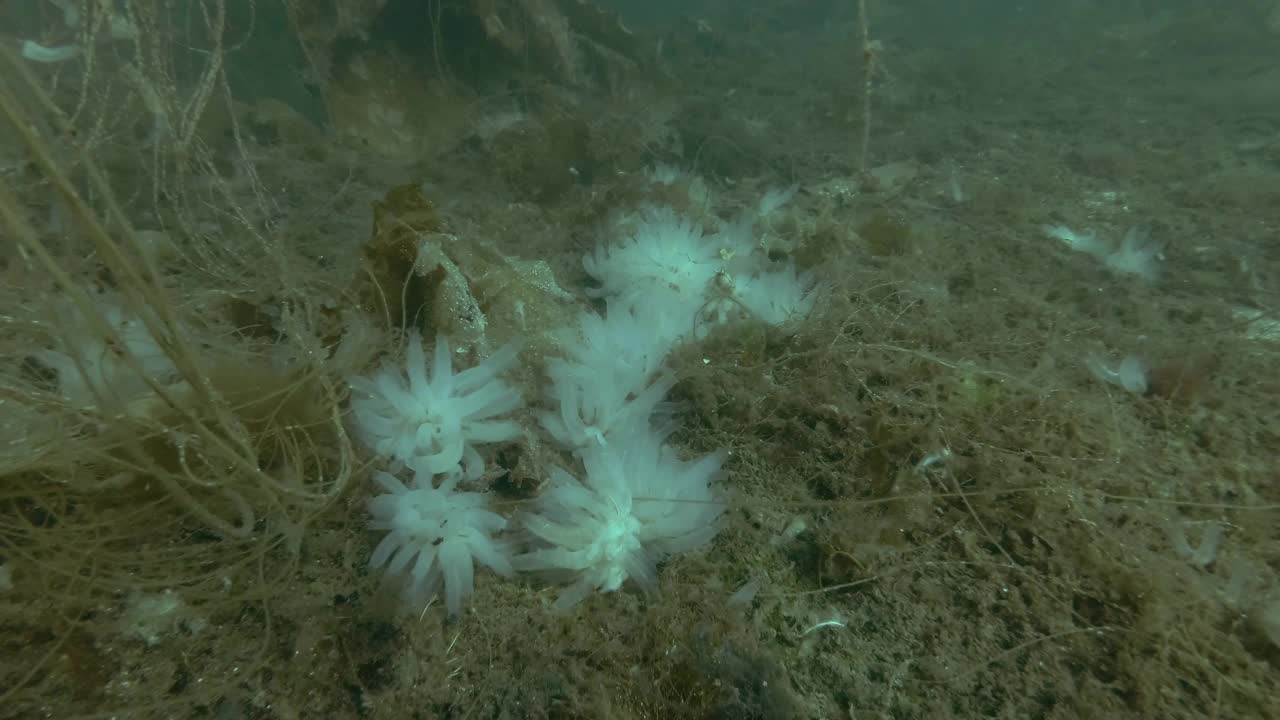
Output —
(633, 500)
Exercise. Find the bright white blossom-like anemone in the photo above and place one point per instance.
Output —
(612, 381)
(435, 536)
(666, 254)
(637, 505)
(433, 420)
(685, 281)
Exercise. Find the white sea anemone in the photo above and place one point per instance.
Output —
(637, 504)
(435, 535)
(434, 420)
